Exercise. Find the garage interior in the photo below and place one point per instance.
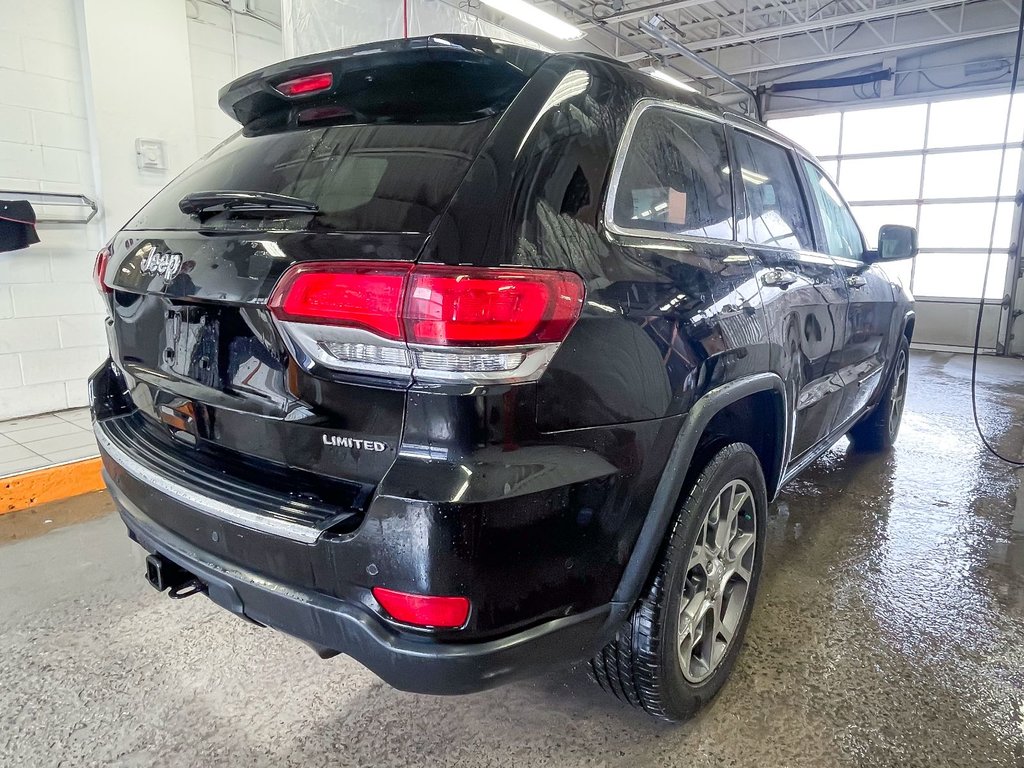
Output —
(890, 625)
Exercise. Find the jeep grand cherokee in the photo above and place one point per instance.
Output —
(468, 360)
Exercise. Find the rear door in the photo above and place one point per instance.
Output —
(804, 297)
(869, 320)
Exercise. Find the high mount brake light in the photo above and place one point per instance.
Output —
(306, 85)
(433, 322)
(99, 270)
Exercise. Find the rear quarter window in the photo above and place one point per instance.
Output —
(675, 177)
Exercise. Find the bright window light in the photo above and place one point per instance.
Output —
(535, 17)
(667, 78)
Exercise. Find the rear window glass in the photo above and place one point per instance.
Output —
(364, 178)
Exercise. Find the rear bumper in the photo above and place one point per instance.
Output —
(406, 662)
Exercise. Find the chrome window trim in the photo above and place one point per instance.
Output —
(607, 211)
(251, 520)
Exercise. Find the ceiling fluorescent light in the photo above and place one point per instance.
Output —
(667, 78)
(535, 17)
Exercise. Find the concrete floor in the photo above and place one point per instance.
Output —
(889, 632)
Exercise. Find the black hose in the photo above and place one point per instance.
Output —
(988, 263)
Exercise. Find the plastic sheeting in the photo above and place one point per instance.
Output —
(312, 26)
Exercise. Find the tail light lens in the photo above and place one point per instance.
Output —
(436, 323)
(356, 295)
(489, 307)
(423, 610)
(100, 270)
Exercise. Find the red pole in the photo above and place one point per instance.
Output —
(405, 18)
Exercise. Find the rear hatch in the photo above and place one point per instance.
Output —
(354, 163)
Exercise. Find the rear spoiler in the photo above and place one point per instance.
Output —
(254, 97)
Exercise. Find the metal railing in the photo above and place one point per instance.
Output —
(43, 202)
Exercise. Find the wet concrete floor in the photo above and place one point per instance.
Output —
(889, 632)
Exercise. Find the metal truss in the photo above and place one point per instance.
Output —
(743, 36)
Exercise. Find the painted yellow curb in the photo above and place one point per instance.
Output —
(51, 484)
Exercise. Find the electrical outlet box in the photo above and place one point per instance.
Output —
(150, 155)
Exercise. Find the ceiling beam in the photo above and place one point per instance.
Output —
(901, 46)
(635, 13)
(846, 19)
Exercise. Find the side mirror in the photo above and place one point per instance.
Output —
(895, 242)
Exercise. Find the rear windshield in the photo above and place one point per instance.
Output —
(364, 178)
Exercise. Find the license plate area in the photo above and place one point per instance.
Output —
(192, 346)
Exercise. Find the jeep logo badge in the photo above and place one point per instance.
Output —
(350, 442)
(166, 264)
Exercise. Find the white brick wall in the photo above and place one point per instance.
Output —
(51, 320)
(51, 326)
(213, 64)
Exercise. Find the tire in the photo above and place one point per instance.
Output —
(644, 664)
(877, 431)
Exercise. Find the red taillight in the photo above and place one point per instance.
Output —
(431, 323)
(100, 270)
(449, 306)
(363, 295)
(433, 305)
(423, 610)
(306, 85)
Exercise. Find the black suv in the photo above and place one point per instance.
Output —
(467, 360)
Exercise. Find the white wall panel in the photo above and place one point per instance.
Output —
(45, 146)
(218, 55)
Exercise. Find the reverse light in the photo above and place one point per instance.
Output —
(423, 610)
(99, 270)
(306, 85)
(428, 322)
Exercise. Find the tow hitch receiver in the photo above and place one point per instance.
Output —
(162, 574)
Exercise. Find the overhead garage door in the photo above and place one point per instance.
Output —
(935, 166)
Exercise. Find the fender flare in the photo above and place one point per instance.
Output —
(910, 316)
(666, 496)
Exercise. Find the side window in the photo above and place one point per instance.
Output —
(842, 237)
(675, 177)
(775, 211)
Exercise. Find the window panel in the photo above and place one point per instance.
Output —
(970, 174)
(883, 178)
(675, 178)
(872, 217)
(884, 130)
(959, 275)
(969, 122)
(964, 225)
(842, 238)
(818, 134)
(831, 168)
(775, 213)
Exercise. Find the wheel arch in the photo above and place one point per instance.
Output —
(744, 395)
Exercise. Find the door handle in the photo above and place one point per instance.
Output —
(779, 278)
(856, 281)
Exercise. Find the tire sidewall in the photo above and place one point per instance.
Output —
(892, 433)
(736, 461)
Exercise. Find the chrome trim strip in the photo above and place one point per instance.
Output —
(212, 507)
